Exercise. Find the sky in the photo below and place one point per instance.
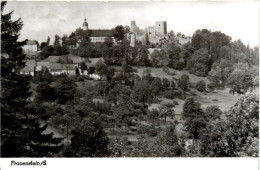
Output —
(239, 19)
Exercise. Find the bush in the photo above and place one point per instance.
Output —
(201, 86)
(152, 132)
(79, 79)
(193, 93)
(178, 94)
(184, 82)
(153, 114)
(211, 86)
(142, 129)
(175, 102)
(169, 94)
(173, 85)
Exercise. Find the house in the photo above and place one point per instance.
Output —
(30, 49)
(98, 35)
(59, 68)
(29, 68)
(75, 59)
(43, 63)
(54, 59)
(66, 59)
(31, 46)
(94, 63)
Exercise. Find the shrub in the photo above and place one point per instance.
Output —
(152, 132)
(193, 93)
(201, 86)
(175, 102)
(178, 94)
(142, 129)
(173, 85)
(169, 94)
(153, 114)
(211, 86)
(79, 79)
(184, 82)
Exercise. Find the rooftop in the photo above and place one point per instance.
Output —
(31, 42)
(101, 33)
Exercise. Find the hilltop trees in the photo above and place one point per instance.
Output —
(199, 63)
(21, 133)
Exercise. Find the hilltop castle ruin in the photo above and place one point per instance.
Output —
(153, 34)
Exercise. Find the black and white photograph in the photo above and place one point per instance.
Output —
(130, 79)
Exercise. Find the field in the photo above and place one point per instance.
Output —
(220, 98)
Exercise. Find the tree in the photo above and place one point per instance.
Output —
(242, 126)
(201, 86)
(101, 68)
(119, 32)
(65, 91)
(194, 118)
(142, 58)
(91, 70)
(199, 63)
(46, 51)
(89, 140)
(109, 41)
(21, 133)
(83, 67)
(57, 46)
(166, 83)
(126, 67)
(48, 41)
(183, 82)
(82, 36)
(45, 92)
(156, 58)
(64, 44)
(166, 110)
(142, 92)
(240, 80)
(156, 86)
(165, 144)
(110, 73)
(213, 113)
(236, 134)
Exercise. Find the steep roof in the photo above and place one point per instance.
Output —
(55, 66)
(29, 66)
(30, 42)
(101, 33)
(75, 59)
(94, 61)
(44, 63)
(53, 59)
(59, 66)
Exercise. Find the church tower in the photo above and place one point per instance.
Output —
(85, 25)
